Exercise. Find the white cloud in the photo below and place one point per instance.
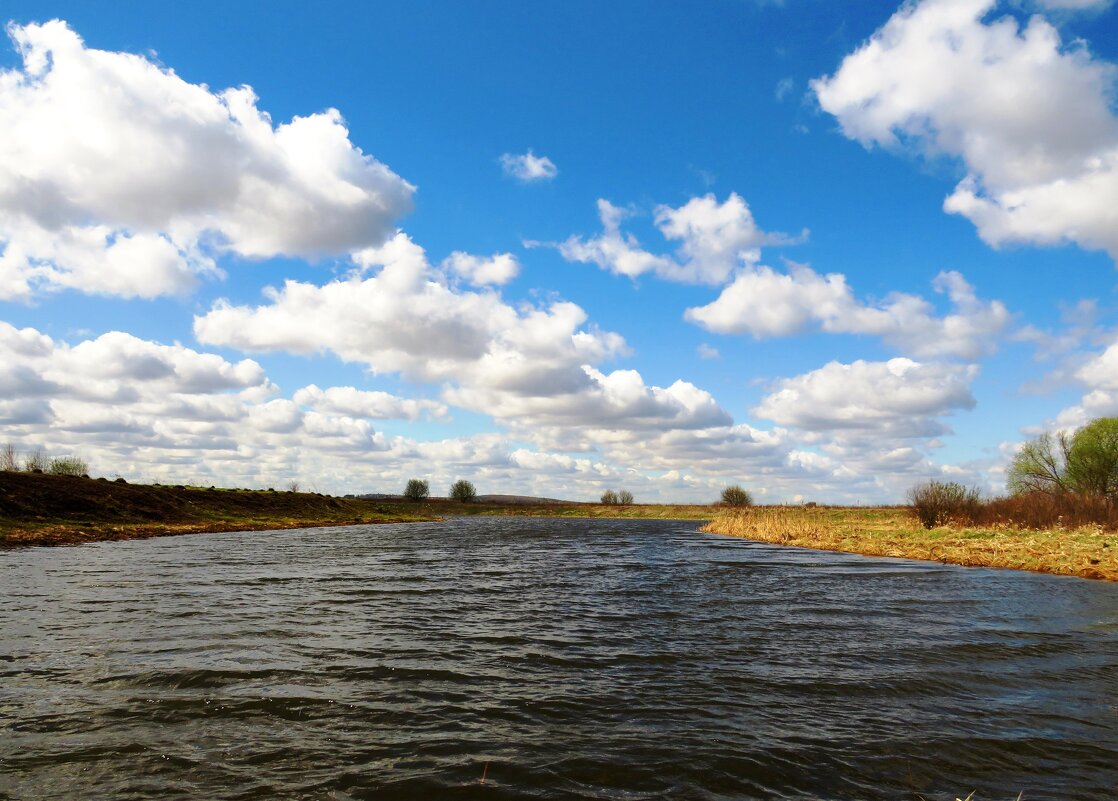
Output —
(497, 269)
(528, 167)
(715, 239)
(1031, 119)
(765, 303)
(1074, 5)
(528, 367)
(1101, 372)
(706, 351)
(615, 402)
(404, 318)
(897, 398)
(353, 402)
(118, 177)
(178, 415)
(168, 412)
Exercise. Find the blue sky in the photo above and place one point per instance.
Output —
(825, 250)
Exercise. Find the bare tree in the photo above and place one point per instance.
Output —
(9, 463)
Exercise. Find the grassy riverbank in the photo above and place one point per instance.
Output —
(40, 509)
(1089, 552)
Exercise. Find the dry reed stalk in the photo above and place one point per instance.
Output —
(1089, 551)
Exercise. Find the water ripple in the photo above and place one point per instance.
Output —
(558, 659)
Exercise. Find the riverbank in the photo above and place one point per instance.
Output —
(41, 509)
(1088, 552)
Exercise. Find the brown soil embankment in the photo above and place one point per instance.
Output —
(39, 509)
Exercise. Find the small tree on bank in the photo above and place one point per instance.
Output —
(609, 498)
(417, 490)
(463, 491)
(625, 498)
(736, 495)
(1084, 463)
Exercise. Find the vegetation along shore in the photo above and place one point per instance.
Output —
(1088, 551)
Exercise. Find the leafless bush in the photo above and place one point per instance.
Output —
(36, 462)
(736, 495)
(8, 461)
(937, 503)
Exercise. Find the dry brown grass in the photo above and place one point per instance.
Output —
(1086, 551)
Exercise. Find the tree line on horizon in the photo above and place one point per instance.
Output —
(463, 491)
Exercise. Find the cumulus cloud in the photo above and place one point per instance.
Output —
(527, 366)
(1031, 118)
(497, 269)
(1096, 372)
(397, 314)
(353, 402)
(528, 167)
(898, 398)
(170, 413)
(174, 414)
(614, 402)
(118, 177)
(1074, 5)
(714, 239)
(765, 303)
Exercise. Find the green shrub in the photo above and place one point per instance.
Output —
(735, 495)
(937, 503)
(462, 491)
(68, 466)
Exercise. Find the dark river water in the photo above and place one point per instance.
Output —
(551, 658)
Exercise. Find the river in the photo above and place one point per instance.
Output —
(507, 658)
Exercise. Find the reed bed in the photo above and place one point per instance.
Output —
(1085, 551)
